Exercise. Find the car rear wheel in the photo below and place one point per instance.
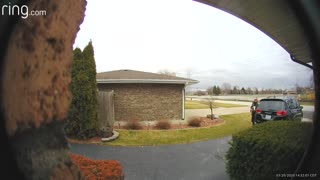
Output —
(297, 119)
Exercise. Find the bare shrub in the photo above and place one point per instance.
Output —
(133, 125)
(195, 121)
(163, 124)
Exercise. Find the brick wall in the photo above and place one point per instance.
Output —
(146, 101)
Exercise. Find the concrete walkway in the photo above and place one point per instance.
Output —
(201, 160)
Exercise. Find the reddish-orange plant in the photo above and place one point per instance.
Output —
(98, 169)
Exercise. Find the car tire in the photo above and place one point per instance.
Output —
(298, 119)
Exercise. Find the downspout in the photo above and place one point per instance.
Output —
(300, 62)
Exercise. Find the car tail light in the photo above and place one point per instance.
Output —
(258, 111)
(282, 113)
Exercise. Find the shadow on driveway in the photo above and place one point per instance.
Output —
(201, 160)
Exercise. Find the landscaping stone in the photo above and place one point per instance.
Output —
(215, 116)
(114, 136)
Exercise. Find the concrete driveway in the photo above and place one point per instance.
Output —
(201, 160)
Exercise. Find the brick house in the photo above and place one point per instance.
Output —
(145, 96)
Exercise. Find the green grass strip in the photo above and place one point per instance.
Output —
(233, 124)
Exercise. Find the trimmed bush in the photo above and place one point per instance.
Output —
(133, 125)
(98, 169)
(267, 149)
(163, 124)
(195, 122)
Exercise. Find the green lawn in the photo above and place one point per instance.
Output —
(203, 105)
(233, 123)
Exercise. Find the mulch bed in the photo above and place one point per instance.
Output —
(206, 122)
(98, 169)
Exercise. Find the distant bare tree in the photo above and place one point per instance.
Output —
(200, 93)
(210, 102)
(167, 72)
(249, 90)
(210, 90)
(299, 88)
(226, 88)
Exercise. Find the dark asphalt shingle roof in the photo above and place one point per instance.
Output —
(138, 75)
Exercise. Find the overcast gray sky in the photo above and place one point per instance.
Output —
(185, 36)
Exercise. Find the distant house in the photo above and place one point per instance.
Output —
(145, 96)
(288, 92)
(292, 93)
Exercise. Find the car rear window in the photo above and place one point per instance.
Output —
(271, 105)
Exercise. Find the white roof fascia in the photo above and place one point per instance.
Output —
(156, 81)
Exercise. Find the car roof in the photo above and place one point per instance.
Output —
(279, 98)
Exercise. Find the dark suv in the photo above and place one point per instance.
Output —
(284, 108)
